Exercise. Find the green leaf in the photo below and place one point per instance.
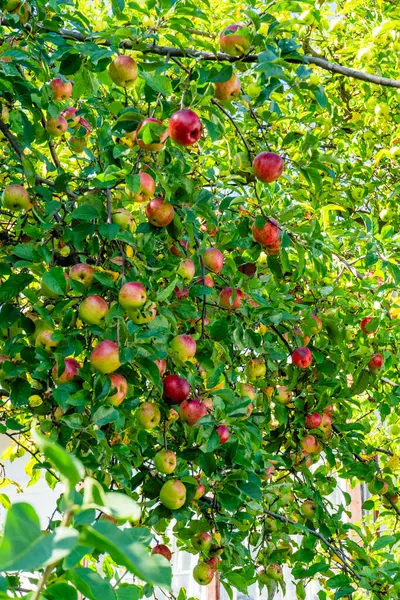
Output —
(122, 506)
(60, 591)
(55, 280)
(84, 212)
(69, 467)
(159, 83)
(13, 286)
(90, 584)
(382, 542)
(166, 292)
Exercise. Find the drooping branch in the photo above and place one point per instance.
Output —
(222, 57)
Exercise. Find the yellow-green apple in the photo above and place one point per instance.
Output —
(175, 389)
(268, 166)
(183, 347)
(147, 187)
(378, 486)
(92, 310)
(268, 234)
(202, 542)
(226, 298)
(165, 462)
(310, 444)
(173, 494)
(200, 491)
(284, 395)
(70, 114)
(203, 573)
(56, 126)
(186, 269)
(228, 90)
(132, 295)
(44, 340)
(118, 390)
(185, 127)
(364, 326)
(148, 415)
(376, 363)
(15, 197)
(105, 357)
(159, 213)
(326, 423)
(60, 90)
(256, 369)
(82, 273)
(274, 572)
(77, 144)
(123, 71)
(213, 259)
(223, 433)
(302, 357)
(308, 508)
(122, 217)
(232, 42)
(158, 139)
(71, 370)
(313, 421)
(143, 315)
(318, 325)
(163, 551)
(162, 366)
(192, 410)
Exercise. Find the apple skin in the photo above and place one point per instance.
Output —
(142, 316)
(105, 357)
(119, 382)
(123, 71)
(203, 573)
(132, 295)
(61, 90)
(176, 251)
(85, 124)
(70, 115)
(56, 126)
(223, 433)
(163, 551)
(176, 389)
(206, 280)
(192, 410)
(268, 166)
(302, 357)
(162, 366)
(123, 218)
(185, 127)
(284, 395)
(269, 471)
(228, 90)
(154, 146)
(308, 508)
(225, 298)
(274, 249)
(183, 293)
(267, 235)
(200, 491)
(256, 369)
(202, 542)
(165, 462)
(186, 270)
(77, 144)
(82, 273)
(71, 371)
(15, 197)
(274, 572)
(246, 390)
(213, 260)
(363, 325)
(310, 445)
(318, 324)
(183, 347)
(148, 415)
(159, 213)
(233, 43)
(173, 494)
(313, 421)
(43, 340)
(214, 562)
(146, 190)
(92, 310)
(376, 363)
(383, 489)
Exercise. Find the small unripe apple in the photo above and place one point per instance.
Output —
(148, 415)
(159, 213)
(146, 190)
(192, 410)
(56, 126)
(308, 508)
(176, 389)
(302, 357)
(213, 259)
(378, 486)
(223, 433)
(165, 462)
(123, 71)
(202, 542)
(256, 369)
(163, 551)
(246, 390)
(274, 572)
(92, 310)
(105, 357)
(173, 494)
(44, 340)
(183, 347)
(77, 144)
(120, 386)
(228, 90)
(268, 166)
(15, 197)
(158, 139)
(226, 298)
(318, 324)
(200, 491)
(185, 127)
(187, 269)
(132, 295)
(140, 316)
(122, 217)
(71, 371)
(61, 90)
(232, 42)
(82, 273)
(203, 573)
(284, 395)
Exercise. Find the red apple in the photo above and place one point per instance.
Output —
(246, 390)
(200, 491)
(120, 384)
(85, 124)
(15, 198)
(176, 389)
(132, 295)
(105, 357)
(313, 421)
(92, 310)
(146, 190)
(302, 357)
(186, 269)
(61, 90)
(212, 231)
(70, 115)
(162, 366)
(70, 371)
(234, 43)
(268, 166)
(363, 326)
(148, 415)
(202, 542)
(203, 573)
(123, 71)
(192, 410)
(213, 259)
(56, 126)
(214, 562)
(82, 273)
(183, 347)
(267, 235)
(183, 293)
(226, 301)
(185, 127)
(163, 550)
(173, 494)
(228, 90)
(165, 462)
(159, 213)
(376, 363)
(223, 433)
(45, 340)
(310, 445)
(157, 142)
(274, 249)
(206, 280)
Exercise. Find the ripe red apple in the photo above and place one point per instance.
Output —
(56, 126)
(302, 357)
(213, 259)
(148, 415)
(228, 90)
(284, 395)
(105, 357)
(82, 273)
(256, 369)
(173, 494)
(183, 347)
(123, 71)
(61, 90)
(123, 217)
(158, 140)
(192, 410)
(376, 363)
(70, 371)
(203, 573)
(132, 295)
(163, 550)
(159, 213)
(274, 249)
(206, 280)
(223, 433)
(185, 127)
(77, 144)
(162, 366)
(267, 235)
(202, 542)
(92, 310)
(120, 384)
(363, 326)
(15, 197)
(233, 43)
(44, 340)
(308, 508)
(165, 462)
(268, 166)
(310, 444)
(226, 301)
(183, 293)
(176, 389)
(70, 116)
(200, 491)
(187, 269)
(214, 562)
(146, 190)
(313, 421)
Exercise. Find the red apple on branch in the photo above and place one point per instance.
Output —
(147, 187)
(185, 127)
(223, 433)
(159, 213)
(183, 347)
(163, 551)
(82, 273)
(267, 235)
(120, 387)
(176, 389)
(228, 90)
(157, 144)
(313, 421)
(268, 166)
(203, 573)
(162, 366)
(71, 371)
(213, 259)
(187, 269)
(123, 71)
(310, 444)
(232, 42)
(56, 126)
(132, 295)
(363, 326)
(105, 357)
(376, 363)
(61, 90)
(226, 298)
(302, 357)
(70, 115)
(192, 410)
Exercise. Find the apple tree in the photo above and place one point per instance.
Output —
(199, 313)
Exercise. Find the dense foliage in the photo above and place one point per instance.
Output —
(251, 369)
